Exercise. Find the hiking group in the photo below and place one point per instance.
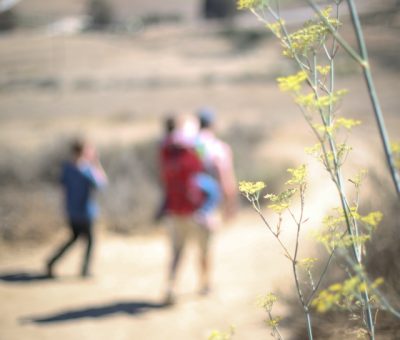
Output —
(197, 176)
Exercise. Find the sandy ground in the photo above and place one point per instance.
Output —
(123, 298)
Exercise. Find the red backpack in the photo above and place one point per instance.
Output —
(179, 165)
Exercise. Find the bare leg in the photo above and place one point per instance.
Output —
(204, 235)
(204, 273)
(176, 259)
(177, 236)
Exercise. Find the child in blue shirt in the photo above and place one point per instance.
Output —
(81, 176)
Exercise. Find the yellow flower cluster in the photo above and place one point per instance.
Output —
(310, 101)
(335, 220)
(276, 28)
(273, 323)
(293, 82)
(251, 188)
(307, 101)
(323, 128)
(299, 175)
(342, 293)
(396, 154)
(281, 201)
(314, 150)
(249, 4)
(372, 219)
(310, 36)
(324, 70)
(308, 263)
(328, 158)
(267, 301)
(346, 123)
(395, 147)
(217, 335)
(357, 180)
(335, 235)
(304, 39)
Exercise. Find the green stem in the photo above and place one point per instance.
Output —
(304, 305)
(381, 127)
(351, 227)
(309, 326)
(373, 96)
(336, 171)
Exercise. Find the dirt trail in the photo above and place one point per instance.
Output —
(122, 299)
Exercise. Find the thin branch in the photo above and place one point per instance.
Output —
(273, 233)
(322, 276)
(311, 279)
(298, 288)
(275, 329)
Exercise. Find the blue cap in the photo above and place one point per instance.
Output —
(206, 117)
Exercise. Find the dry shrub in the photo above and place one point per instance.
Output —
(134, 191)
(32, 207)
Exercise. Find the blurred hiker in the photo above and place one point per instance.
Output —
(169, 128)
(217, 160)
(180, 167)
(80, 177)
(217, 182)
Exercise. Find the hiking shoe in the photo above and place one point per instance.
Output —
(85, 275)
(49, 271)
(169, 299)
(204, 290)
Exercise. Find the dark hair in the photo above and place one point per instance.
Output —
(204, 123)
(170, 124)
(206, 118)
(77, 147)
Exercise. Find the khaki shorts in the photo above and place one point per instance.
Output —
(181, 228)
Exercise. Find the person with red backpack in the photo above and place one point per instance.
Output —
(181, 168)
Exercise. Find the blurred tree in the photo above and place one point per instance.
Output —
(218, 9)
(8, 20)
(101, 13)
